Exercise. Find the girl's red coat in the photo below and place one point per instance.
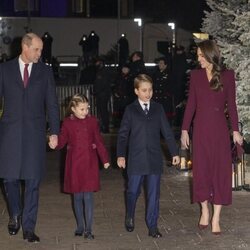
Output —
(84, 144)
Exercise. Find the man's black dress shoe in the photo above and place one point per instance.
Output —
(31, 237)
(14, 225)
(129, 224)
(154, 232)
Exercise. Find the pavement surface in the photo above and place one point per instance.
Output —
(177, 222)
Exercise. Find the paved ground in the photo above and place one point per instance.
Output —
(177, 222)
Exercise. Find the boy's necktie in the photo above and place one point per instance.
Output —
(145, 108)
(25, 75)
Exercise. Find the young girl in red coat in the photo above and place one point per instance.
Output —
(80, 131)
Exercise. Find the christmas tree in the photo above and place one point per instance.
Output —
(228, 23)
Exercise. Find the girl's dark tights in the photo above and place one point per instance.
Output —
(83, 207)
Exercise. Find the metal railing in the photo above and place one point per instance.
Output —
(64, 94)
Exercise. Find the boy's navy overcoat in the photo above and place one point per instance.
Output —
(142, 134)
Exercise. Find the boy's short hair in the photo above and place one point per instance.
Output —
(142, 78)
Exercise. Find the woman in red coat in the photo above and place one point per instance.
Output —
(212, 88)
(80, 132)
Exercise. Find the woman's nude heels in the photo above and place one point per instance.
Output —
(202, 227)
(216, 233)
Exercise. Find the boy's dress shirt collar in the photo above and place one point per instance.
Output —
(142, 104)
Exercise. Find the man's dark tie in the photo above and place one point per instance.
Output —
(145, 108)
(25, 75)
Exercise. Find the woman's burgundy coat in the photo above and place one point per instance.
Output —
(84, 144)
(212, 163)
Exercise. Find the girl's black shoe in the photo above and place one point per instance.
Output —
(89, 236)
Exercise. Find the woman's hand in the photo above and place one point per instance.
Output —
(184, 139)
(237, 137)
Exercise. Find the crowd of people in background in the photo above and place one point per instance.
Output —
(170, 78)
(170, 83)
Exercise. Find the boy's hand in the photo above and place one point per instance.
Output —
(176, 160)
(106, 165)
(121, 162)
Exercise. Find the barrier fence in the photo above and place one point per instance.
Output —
(64, 94)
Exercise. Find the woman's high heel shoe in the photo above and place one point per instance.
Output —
(216, 233)
(202, 227)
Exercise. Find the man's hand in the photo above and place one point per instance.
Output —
(121, 162)
(53, 141)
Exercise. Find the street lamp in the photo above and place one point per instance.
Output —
(139, 23)
(172, 26)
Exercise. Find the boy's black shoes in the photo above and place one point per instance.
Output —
(30, 236)
(154, 232)
(129, 224)
(14, 225)
(78, 233)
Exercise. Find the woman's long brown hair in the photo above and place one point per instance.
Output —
(211, 52)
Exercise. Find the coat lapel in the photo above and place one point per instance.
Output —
(33, 74)
(16, 69)
(138, 107)
(16, 72)
(151, 108)
(140, 110)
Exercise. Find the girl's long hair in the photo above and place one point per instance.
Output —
(211, 52)
(75, 100)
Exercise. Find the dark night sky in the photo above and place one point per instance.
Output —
(186, 13)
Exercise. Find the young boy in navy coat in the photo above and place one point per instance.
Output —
(142, 125)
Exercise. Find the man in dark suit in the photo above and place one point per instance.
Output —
(136, 67)
(28, 90)
(102, 91)
(162, 87)
(142, 125)
(179, 82)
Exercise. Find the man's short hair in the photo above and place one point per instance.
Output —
(137, 53)
(27, 38)
(164, 59)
